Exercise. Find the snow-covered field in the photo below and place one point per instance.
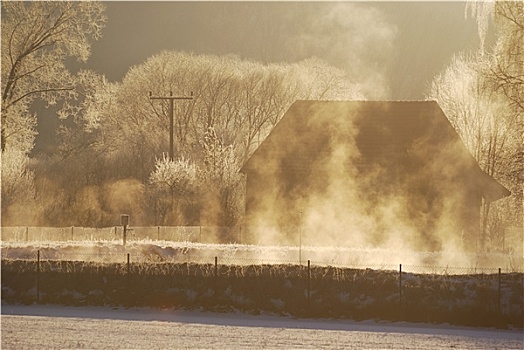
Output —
(240, 254)
(39, 327)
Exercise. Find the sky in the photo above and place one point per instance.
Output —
(398, 45)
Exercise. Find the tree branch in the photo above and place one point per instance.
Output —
(33, 93)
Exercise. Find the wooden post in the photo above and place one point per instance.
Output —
(309, 281)
(216, 266)
(500, 293)
(400, 287)
(127, 293)
(300, 241)
(124, 221)
(38, 277)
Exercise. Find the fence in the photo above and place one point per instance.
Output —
(234, 254)
(297, 249)
(200, 234)
(164, 233)
(308, 289)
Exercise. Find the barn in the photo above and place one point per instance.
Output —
(367, 170)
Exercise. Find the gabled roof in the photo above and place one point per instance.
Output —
(380, 128)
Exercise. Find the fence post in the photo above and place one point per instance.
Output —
(400, 287)
(240, 234)
(216, 266)
(72, 232)
(158, 234)
(38, 277)
(128, 274)
(309, 281)
(27, 233)
(500, 293)
(127, 295)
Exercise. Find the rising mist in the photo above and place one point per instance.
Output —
(366, 174)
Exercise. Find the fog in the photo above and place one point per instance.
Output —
(337, 180)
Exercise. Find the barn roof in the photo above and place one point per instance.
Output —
(381, 128)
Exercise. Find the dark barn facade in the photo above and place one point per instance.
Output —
(365, 156)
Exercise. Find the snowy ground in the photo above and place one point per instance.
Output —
(242, 254)
(50, 327)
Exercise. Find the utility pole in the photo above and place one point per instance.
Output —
(171, 98)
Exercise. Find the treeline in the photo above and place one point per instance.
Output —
(114, 159)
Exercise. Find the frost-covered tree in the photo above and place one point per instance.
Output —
(235, 105)
(507, 70)
(176, 182)
(504, 63)
(476, 113)
(240, 100)
(502, 69)
(224, 190)
(482, 95)
(487, 126)
(18, 189)
(37, 38)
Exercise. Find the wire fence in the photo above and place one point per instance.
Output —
(185, 267)
(202, 234)
(98, 260)
(232, 259)
(197, 244)
(273, 285)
